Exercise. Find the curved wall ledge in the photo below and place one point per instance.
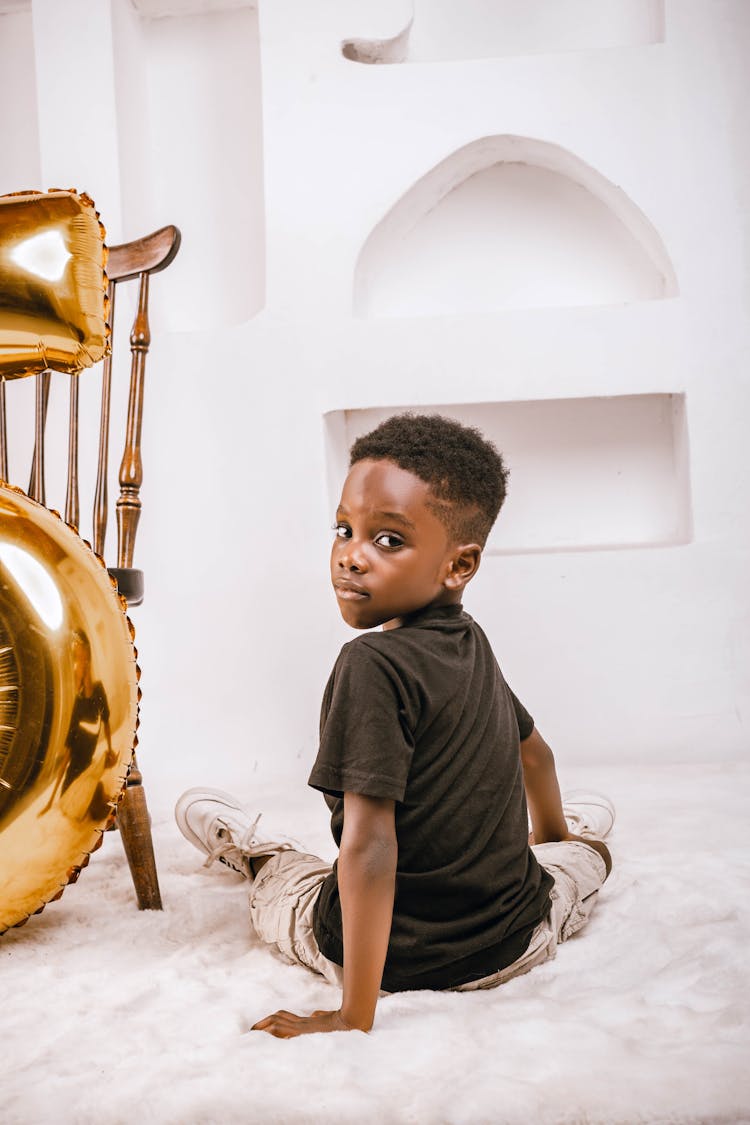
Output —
(442, 30)
(510, 222)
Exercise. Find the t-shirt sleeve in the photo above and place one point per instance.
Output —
(524, 719)
(366, 742)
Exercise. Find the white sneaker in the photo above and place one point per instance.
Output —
(588, 813)
(219, 826)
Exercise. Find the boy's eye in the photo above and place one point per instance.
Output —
(343, 531)
(389, 540)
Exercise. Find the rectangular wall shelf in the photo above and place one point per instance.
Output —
(593, 473)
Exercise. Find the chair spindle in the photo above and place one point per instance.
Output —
(131, 468)
(36, 484)
(3, 434)
(101, 503)
(72, 511)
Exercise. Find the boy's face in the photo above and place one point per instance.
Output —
(391, 555)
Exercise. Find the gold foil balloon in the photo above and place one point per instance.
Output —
(68, 704)
(52, 283)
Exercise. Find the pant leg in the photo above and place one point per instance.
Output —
(282, 899)
(579, 872)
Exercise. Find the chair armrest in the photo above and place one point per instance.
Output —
(129, 583)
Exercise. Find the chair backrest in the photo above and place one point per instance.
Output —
(128, 262)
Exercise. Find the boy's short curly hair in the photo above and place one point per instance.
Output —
(464, 470)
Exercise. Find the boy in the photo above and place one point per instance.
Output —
(426, 760)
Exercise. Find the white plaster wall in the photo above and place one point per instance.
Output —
(442, 30)
(206, 160)
(632, 653)
(77, 117)
(490, 28)
(19, 152)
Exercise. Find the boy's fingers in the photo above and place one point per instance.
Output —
(262, 1024)
(282, 1025)
(287, 1025)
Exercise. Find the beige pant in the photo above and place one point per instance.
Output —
(283, 895)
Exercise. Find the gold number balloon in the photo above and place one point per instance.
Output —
(52, 283)
(68, 704)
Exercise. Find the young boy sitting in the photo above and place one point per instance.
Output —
(427, 760)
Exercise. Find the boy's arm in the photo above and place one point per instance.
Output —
(542, 790)
(367, 882)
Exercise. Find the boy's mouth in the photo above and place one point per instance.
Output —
(349, 591)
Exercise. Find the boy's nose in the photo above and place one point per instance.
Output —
(352, 559)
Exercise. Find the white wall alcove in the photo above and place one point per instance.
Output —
(440, 30)
(19, 155)
(205, 114)
(585, 473)
(510, 222)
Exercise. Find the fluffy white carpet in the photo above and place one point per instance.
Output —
(111, 1015)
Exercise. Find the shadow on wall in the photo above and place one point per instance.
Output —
(440, 30)
(510, 222)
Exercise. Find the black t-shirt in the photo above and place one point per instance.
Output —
(422, 715)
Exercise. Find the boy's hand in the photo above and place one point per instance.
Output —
(285, 1025)
(367, 878)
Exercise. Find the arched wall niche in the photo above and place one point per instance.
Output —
(442, 30)
(510, 222)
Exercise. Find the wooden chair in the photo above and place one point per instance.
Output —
(128, 262)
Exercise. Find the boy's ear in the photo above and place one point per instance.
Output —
(462, 566)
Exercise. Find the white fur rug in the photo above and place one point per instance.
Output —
(111, 1015)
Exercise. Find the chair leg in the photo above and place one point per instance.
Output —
(135, 829)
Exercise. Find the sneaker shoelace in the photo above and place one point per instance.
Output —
(576, 823)
(244, 844)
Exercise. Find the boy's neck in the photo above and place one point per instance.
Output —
(451, 598)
